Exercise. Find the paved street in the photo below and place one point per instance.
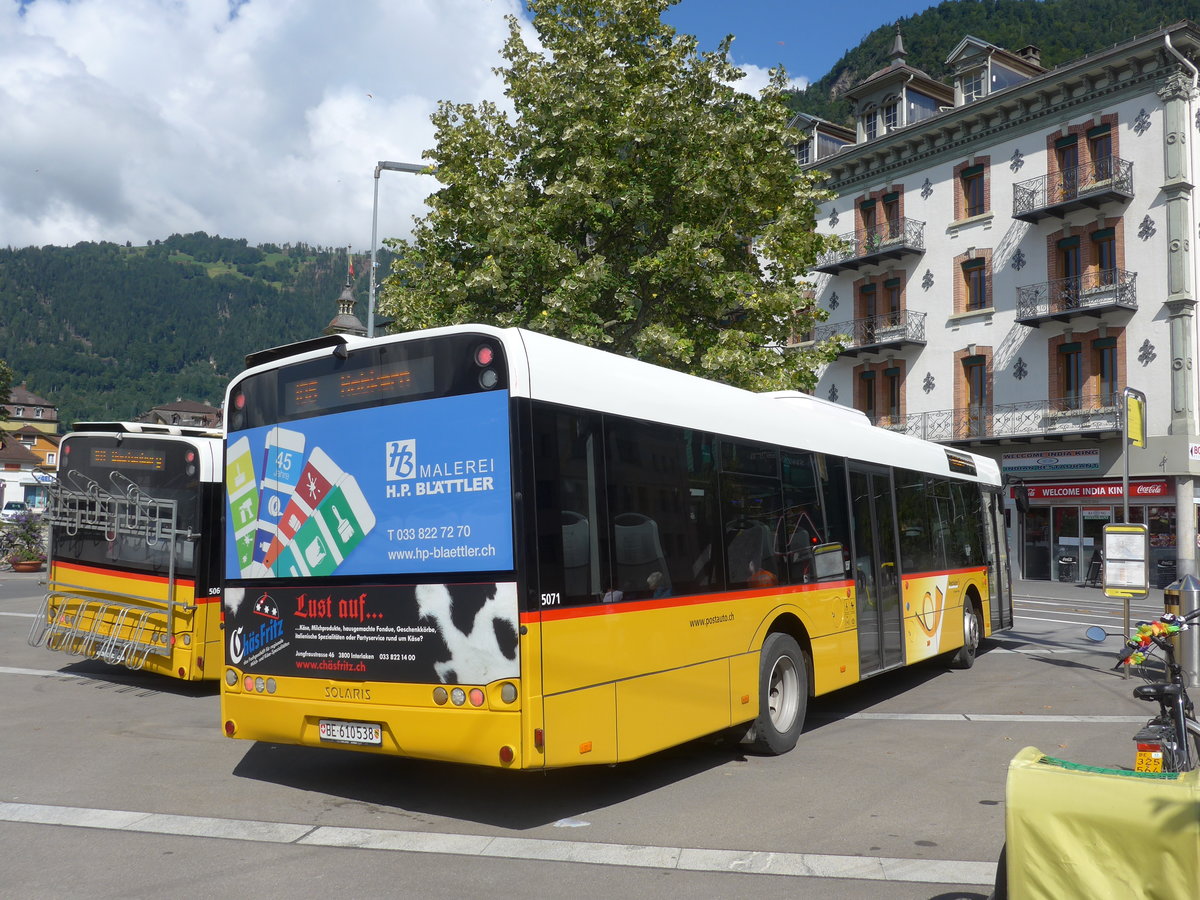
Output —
(117, 784)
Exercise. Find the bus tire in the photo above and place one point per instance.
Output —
(1000, 886)
(782, 695)
(972, 629)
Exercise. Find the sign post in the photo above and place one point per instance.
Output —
(1127, 565)
(1134, 428)
(1134, 432)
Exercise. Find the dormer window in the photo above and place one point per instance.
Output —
(972, 86)
(18, 411)
(870, 124)
(891, 115)
(804, 152)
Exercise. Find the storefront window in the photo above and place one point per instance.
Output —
(1161, 520)
(1037, 544)
(1065, 559)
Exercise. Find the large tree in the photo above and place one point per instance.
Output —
(633, 201)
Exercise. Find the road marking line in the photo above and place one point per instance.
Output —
(43, 673)
(1058, 621)
(20, 615)
(747, 862)
(978, 717)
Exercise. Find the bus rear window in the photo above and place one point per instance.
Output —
(378, 375)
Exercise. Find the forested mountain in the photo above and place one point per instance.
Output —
(1062, 29)
(107, 331)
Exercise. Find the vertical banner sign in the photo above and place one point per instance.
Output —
(1134, 422)
(1135, 417)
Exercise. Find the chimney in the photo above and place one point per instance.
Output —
(1031, 54)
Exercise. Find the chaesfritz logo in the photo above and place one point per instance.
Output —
(236, 650)
(401, 460)
(243, 644)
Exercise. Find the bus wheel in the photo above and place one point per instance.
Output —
(965, 657)
(782, 695)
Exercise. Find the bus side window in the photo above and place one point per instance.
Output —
(835, 507)
(753, 513)
(968, 510)
(660, 493)
(941, 509)
(916, 542)
(569, 500)
(802, 518)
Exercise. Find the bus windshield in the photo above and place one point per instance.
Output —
(152, 480)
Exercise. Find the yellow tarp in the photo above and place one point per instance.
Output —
(1098, 833)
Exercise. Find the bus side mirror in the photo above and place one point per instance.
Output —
(1021, 496)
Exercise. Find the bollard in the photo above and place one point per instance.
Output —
(1182, 597)
(1171, 601)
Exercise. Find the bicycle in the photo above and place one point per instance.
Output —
(6, 548)
(1170, 741)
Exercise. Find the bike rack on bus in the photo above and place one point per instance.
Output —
(118, 628)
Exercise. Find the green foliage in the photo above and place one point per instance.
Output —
(108, 332)
(618, 206)
(1063, 30)
(6, 375)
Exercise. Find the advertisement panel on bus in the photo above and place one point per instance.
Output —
(407, 489)
(412, 488)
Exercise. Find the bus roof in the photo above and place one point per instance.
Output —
(147, 428)
(559, 371)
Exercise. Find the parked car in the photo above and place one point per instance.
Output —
(12, 509)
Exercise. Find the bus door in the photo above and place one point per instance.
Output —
(876, 570)
(999, 574)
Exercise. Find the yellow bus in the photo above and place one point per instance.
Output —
(135, 549)
(494, 547)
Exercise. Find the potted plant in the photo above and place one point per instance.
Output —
(24, 545)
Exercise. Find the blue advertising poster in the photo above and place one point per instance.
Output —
(407, 488)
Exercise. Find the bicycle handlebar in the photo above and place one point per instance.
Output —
(1157, 633)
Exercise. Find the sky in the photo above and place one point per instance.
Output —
(131, 120)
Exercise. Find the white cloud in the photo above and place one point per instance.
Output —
(134, 119)
(758, 78)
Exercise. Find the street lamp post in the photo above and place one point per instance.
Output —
(412, 169)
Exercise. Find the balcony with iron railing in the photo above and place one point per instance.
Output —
(892, 330)
(1101, 181)
(891, 240)
(1089, 294)
(1093, 415)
